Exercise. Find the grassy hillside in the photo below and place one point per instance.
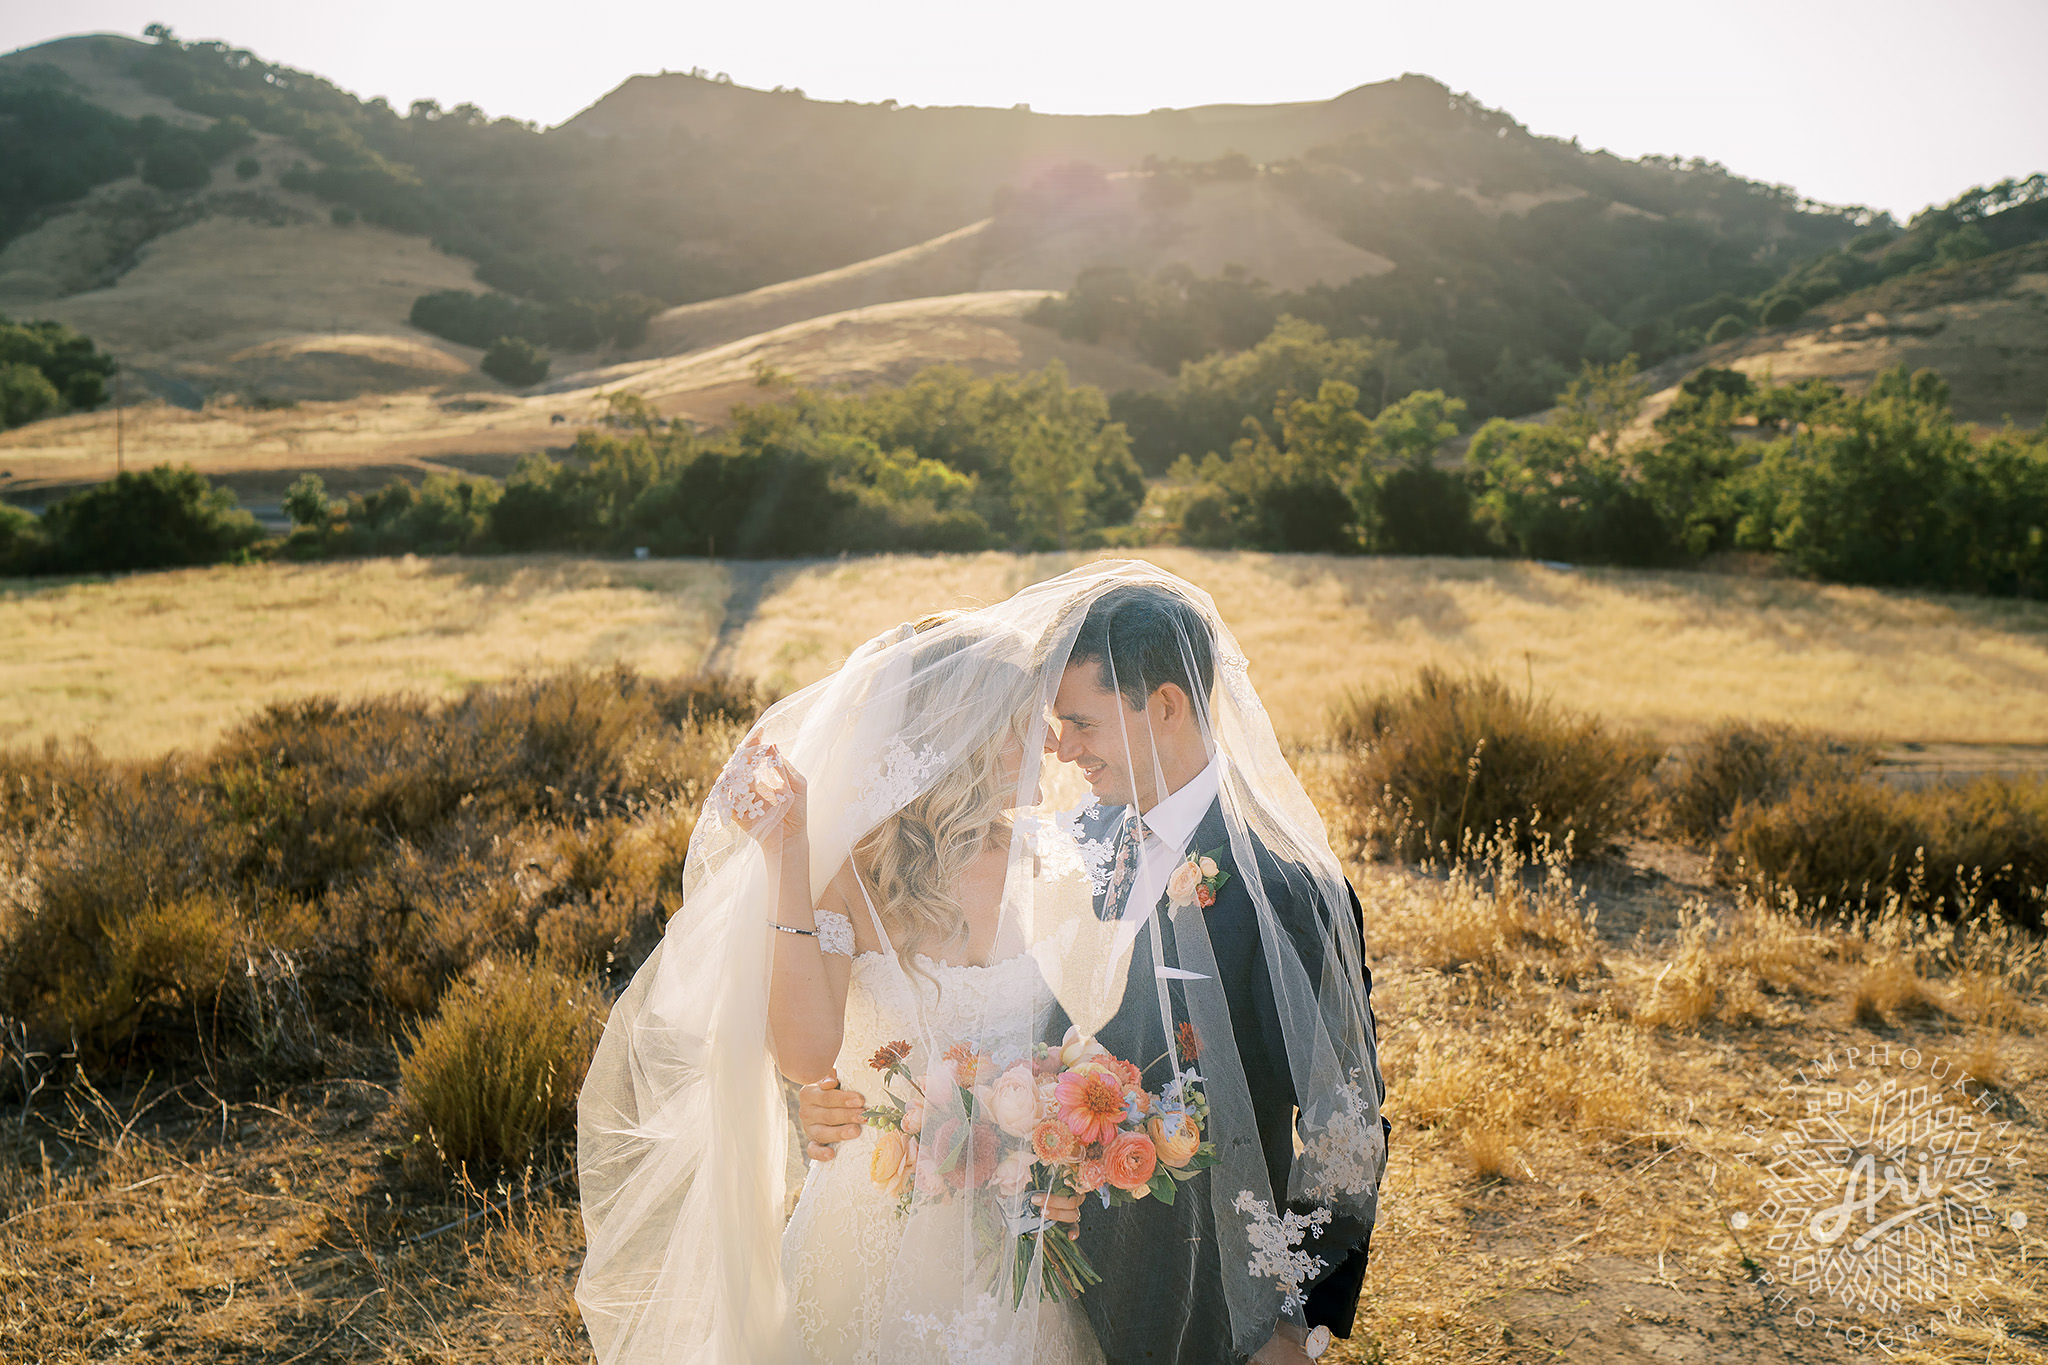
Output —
(155, 660)
(1983, 323)
(686, 188)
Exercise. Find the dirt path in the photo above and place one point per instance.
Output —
(751, 579)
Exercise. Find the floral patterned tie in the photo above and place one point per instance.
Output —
(1124, 870)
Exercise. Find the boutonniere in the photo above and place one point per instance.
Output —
(1196, 881)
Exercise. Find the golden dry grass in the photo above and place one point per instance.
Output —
(158, 661)
(1675, 652)
(1569, 1153)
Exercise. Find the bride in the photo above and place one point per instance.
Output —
(865, 881)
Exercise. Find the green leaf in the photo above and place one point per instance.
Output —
(1162, 1186)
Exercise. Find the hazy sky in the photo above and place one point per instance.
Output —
(1880, 102)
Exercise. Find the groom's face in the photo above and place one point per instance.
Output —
(1104, 738)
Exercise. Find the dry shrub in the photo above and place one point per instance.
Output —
(1701, 785)
(1888, 991)
(1970, 850)
(342, 862)
(1496, 911)
(1451, 758)
(1731, 967)
(495, 1074)
(1488, 1146)
(1586, 1074)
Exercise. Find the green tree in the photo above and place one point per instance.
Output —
(1966, 243)
(306, 502)
(515, 361)
(22, 544)
(176, 164)
(26, 394)
(1783, 310)
(1727, 327)
(1599, 406)
(1062, 438)
(159, 518)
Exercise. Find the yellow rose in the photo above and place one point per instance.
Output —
(1078, 1047)
(1180, 1149)
(893, 1162)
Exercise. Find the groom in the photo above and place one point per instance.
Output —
(1131, 707)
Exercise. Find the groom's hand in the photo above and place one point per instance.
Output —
(829, 1116)
(1285, 1348)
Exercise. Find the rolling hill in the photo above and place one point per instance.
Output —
(266, 313)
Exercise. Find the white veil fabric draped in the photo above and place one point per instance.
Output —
(683, 1133)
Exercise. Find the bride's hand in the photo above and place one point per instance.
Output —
(763, 794)
(828, 1116)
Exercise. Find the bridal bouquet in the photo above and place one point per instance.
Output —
(1070, 1119)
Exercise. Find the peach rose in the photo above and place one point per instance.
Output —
(1013, 1101)
(1180, 887)
(1131, 1159)
(1077, 1048)
(913, 1115)
(1209, 868)
(1013, 1174)
(1180, 1149)
(893, 1162)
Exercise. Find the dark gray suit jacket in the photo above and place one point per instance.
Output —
(1161, 1299)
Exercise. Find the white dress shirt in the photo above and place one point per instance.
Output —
(1168, 827)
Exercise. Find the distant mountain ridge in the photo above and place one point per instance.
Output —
(839, 242)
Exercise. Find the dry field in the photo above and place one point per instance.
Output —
(160, 661)
(157, 660)
(1584, 1067)
(1578, 1076)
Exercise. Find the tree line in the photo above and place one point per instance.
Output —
(56, 146)
(46, 369)
(1883, 487)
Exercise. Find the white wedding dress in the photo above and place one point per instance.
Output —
(841, 1246)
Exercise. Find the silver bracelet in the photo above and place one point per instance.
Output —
(789, 929)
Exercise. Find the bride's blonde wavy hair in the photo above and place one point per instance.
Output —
(914, 860)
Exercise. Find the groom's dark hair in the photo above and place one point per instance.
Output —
(1142, 636)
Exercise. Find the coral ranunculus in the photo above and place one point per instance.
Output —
(1179, 1149)
(893, 1162)
(1131, 1158)
(1127, 1074)
(1091, 1103)
(1054, 1143)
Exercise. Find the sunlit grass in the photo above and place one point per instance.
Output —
(155, 661)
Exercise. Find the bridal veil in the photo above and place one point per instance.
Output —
(683, 1129)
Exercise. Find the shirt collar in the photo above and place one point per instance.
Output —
(1174, 819)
